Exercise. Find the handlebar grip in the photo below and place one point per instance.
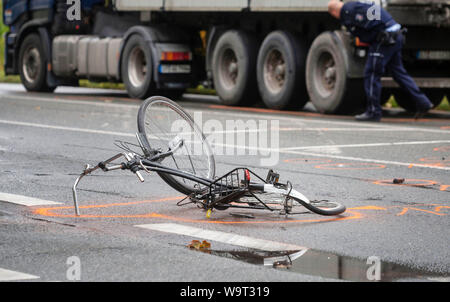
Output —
(139, 175)
(256, 187)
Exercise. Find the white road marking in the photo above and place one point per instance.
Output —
(7, 275)
(439, 279)
(228, 238)
(69, 101)
(222, 113)
(293, 150)
(25, 200)
(76, 129)
(297, 129)
(367, 145)
(66, 128)
(338, 129)
(368, 160)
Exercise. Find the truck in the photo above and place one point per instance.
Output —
(280, 53)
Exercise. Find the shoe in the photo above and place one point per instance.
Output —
(422, 110)
(368, 117)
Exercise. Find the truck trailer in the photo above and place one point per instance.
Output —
(281, 52)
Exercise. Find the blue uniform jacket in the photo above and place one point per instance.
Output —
(363, 23)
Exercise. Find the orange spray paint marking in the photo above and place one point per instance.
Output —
(402, 212)
(354, 215)
(407, 183)
(444, 187)
(405, 210)
(370, 208)
(442, 149)
(50, 211)
(439, 208)
(436, 161)
(351, 214)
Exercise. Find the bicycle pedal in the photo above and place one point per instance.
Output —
(272, 177)
(208, 213)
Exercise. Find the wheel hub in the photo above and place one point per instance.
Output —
(229, 69)
(330, 75)
(274, 71)
(326, 74)
(137, 67)
(31, 64)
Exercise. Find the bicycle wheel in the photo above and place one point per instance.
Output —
(272, 195)
(275, 201)
(323, 207)
(166, 126)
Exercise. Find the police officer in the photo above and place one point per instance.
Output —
(373, 25)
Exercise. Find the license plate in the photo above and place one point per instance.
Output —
(165, 68)
(433, 55)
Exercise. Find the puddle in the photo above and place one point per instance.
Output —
(326, 265)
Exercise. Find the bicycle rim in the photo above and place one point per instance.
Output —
(164, 125)
(274, 201)
(323, 207)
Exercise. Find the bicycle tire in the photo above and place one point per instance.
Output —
(178, 183)
(273, 200)
(314, 206)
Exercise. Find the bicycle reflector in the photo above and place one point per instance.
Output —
(247, 175)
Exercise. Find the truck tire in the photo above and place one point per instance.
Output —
(32, 65)
(137, 67)
(281, 71)
(234, 68)
(329, 87)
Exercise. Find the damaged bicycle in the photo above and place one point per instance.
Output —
(170, 144)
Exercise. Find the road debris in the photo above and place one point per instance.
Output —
(242, 215)
(201, 246)
(398, 181)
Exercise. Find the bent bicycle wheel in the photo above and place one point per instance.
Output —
(294, 205)
(166, 126)
(323, 207)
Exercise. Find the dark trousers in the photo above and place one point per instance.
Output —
(384, 58)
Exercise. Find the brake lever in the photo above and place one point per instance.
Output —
(138, 174)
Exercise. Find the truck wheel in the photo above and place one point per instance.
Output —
(281, 71)
(137, 68)
(234, 68)
(404, 100)
(329, 88)
(32, 65)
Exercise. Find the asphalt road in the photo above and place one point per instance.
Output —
(45, 140)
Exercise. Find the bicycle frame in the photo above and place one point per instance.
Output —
(218, 193)
(232, 190)
(228, 191)
(135, 164)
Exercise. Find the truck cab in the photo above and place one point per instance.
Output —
(52, 43)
